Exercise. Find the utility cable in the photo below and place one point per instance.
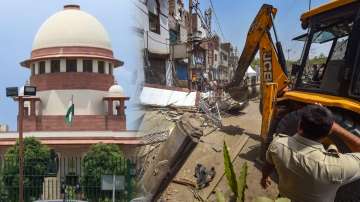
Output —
(217, 20)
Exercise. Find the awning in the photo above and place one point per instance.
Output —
(250, 72)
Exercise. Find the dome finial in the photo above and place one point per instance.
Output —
(116, 90)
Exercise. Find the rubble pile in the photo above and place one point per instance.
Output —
(171, 156)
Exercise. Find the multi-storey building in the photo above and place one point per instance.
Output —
(152, 27)
(178, 34)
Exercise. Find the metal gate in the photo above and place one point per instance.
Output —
(64, 180)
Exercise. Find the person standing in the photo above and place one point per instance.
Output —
(307, 172)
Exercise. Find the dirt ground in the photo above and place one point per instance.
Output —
(241, 134)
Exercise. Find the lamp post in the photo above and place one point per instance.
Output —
(14, 93)
(21, 149)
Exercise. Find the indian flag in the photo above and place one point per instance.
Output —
(70, 113)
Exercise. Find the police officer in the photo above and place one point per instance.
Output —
(307, 172)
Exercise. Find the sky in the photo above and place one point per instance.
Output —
(235, 17)
(19, 22)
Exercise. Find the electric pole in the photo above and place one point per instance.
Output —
(190, 46)
(21, 149)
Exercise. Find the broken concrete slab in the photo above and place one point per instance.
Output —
(163, 96)
(171, 156)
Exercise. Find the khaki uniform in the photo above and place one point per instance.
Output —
(309, 173)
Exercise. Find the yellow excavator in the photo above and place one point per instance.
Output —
(327, 73)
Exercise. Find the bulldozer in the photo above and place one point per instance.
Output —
(328, 73)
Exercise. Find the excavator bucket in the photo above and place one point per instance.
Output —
(260, 26)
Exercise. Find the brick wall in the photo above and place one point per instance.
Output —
(72, 80)
(80, 123)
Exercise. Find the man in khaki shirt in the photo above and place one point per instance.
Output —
(307, 172)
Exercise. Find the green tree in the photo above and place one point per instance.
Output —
(102, 159)
(255, 62)
(36, 162)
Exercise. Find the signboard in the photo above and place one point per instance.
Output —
(29, 90)
(12, 92)
(108, 180)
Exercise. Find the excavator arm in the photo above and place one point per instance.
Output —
(273, 76)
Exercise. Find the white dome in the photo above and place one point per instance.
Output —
(116, 90)
(71, 27)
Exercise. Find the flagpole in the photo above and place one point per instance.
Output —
(72, 104)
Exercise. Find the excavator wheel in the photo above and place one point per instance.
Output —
(288, 125)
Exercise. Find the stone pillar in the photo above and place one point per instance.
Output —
(172, 155)
(122, 105)
(110, 107)
(32, 108)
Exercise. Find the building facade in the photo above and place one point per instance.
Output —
(67, 65)
(169, 52)
(72, 61)
(152, 28)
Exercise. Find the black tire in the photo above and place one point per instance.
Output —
(288, 125)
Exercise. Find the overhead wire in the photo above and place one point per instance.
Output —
(147, 13)
(149, 36)
(199, 13)
(217, 20)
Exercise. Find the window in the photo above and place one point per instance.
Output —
(110, 69)
(32, 69)
(155, 74)
(42, 67)
(326, 58)
(215, 58)
(174, 36)
(71, 66)
(88, 65)
(55, 66)
(101, 68)
(154, 15)
(224, 57)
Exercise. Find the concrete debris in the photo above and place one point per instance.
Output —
(212, 113)
(155, 137)
(185, 182)
(203, 175)
(171, 156)
(161, 96)
(171, 115)
(227, 103)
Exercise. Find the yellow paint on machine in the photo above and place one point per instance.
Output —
(326, 100)
(325, 7)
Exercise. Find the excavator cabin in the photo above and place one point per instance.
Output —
(330, 61)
